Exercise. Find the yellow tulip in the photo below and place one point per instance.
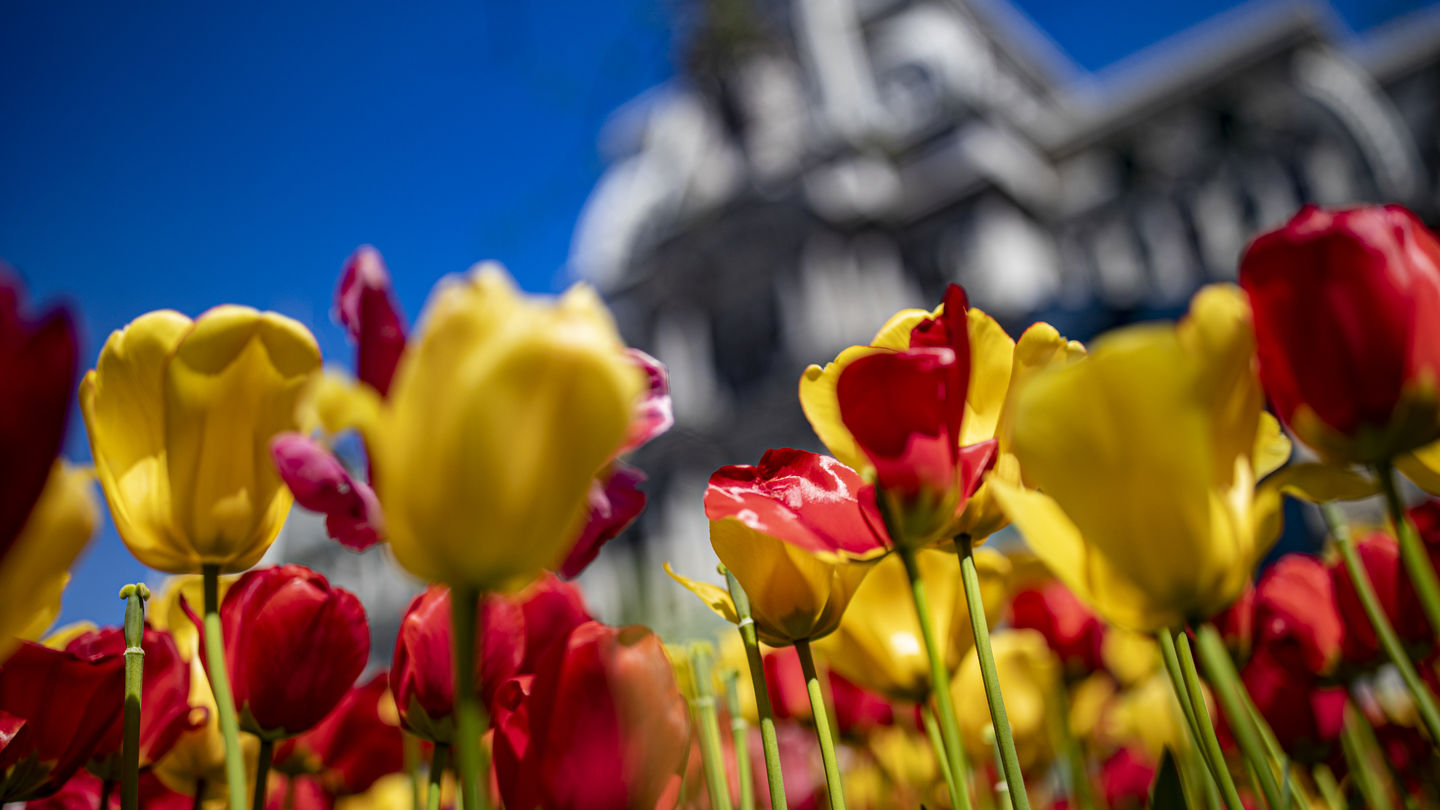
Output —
(1031, 675)
(1130, 656)
(1148, 714)
(36, 568)
(392, 792)
(1146, 457)
(999, 365)
(502, 410)
(180, 415)
(879, 646)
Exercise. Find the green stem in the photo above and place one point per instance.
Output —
(712, 753)
(216, 668)
(469, 714)
(437, 776)
(746, 627)
(1003, 796)
(833, 788)
(1384, 631)
(1197, 714)
(134, 596)
(411, 747)
(1412, 550)
(740, 734)
(1229, 691)
(1074, 755)
(1273, 749)
(1328, 787)
(1004, 738)
(262, 773)
(932, 730)
(1357, 745)
(939, 681)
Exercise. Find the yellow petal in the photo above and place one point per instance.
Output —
(1272, 446)
(336, 402)
(714, 597)
(502, 411)
(991, 354)
(822, 407)
(1313, 482)
(36, 567)
(1217, 335)
(233, 383)
(1423, 467)
(895, 334)
(1040, 347)
(1030, 673)
(122, 399)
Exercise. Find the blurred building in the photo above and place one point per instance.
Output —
(823, 163)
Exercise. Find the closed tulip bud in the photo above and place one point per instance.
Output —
(56, 708)
(294, 646)
(165, 696)
(502, 410)
(1297, 618)
(1071, 629)
(1159, 433)
(1031, 673)
(550, 608)
(353, 747)
(1126, 778)
(365, 305)
(603, 725)
(35, 569)
(798, 537)
(879, 645)
(997, 366)
(422, 675)
(1347, 322)
(181, 414)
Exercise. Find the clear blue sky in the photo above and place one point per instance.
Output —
(181, 155)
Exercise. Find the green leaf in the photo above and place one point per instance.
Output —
(1165, 793)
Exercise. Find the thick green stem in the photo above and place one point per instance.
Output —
(763, 708)
(1197, 716)
(740, 735)
(134, 596)
(262, 773)
(939, 683)
(932, 730)
(1328, 787)
(712, 753)
(1004, 738)
(1365, 760)
(1230, 692)
(469, 714)
(411, 747)
(215, 667)
(1412, 550)
(1384, 631)
(833, 788)
(437, 776)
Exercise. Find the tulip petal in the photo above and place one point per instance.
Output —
(365, 305)
(714, 597)
(1422, 467)
(822, 406)
(897, 408)
(1272, 446)
(1313, 482)
(615, 502)
(35, 570)
(321, 484)
(992, 354)
(654, 413)
(895, 334)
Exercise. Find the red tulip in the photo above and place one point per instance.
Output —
(1071, 629)
(294, 646)
(551, 609)
(1306, 717)
(653, 413)
(1380, 556)
(56, 708)
(38, 361)
(1297, 618)
(354, 745)
(1125, 779)
(83, 791)
(615, 502)
(602, 725)
(321, 484)
(856, 710)
(422, 676)
(297, 793)
(1347, 326)
(365, 305)
(165, 697)
(905, 411)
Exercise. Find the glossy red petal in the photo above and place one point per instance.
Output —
(551, 609)
(365, 305)
(615, 503)
(165, 695)
(321, 483)
(899, 408)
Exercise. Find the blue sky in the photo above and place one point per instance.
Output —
(182, 155)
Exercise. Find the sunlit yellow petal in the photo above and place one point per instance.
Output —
(35, 572)
(714, 597)
(991, 355)
(895, 334)
(1272, 446)
(822, 407)
(1423, 467)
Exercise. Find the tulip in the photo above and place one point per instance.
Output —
(879, 644)
(1159, 434)
(34, 570)
(165, 696)
(83, 792)
(1129, 656)
(501, 411)
(1347, 326)
(614, 504)
(1030, 672)
(421, 675)
(365, 305)
(1380, 557)
(1126, 778)
(1297, 617)
(38, 361)
(998, 365)
(550, 609)
(1306, 717)
(353, 747)
(798, 538)
(321, 484)
(294, 645)
(1075, 633)
(180, 415)
(56, 708)
(603, 725)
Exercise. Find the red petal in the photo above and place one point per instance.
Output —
(365, 305)
(653, 413)
(898, 406)
(614, 505)
(320, 483)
